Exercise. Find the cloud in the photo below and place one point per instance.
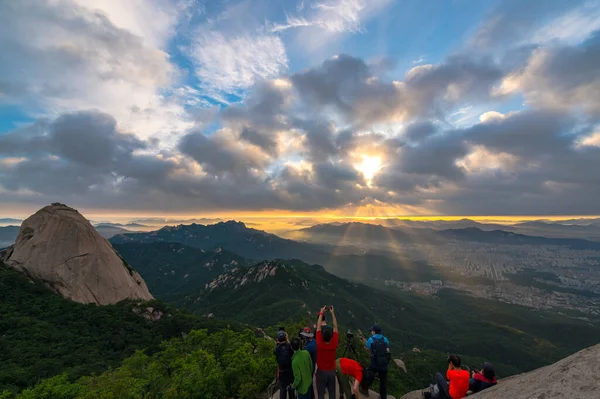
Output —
(126, 129)
(230, 64)
(67, 56)
(572, 27)
(221, 153)
(347, 85)
(515, 21)
(561, 77)
(328, 20)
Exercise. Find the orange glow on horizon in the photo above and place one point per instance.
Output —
(286, 220)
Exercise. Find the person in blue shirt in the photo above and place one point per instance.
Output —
(379, 346)
(310, 345)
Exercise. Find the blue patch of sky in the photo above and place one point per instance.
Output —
(410, 31)
(11, 117)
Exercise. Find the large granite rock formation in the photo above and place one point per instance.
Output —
(60, 247)
(574, 377)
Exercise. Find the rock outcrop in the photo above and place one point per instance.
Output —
(574, 377)
(60, 247)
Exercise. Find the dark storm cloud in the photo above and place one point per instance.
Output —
(336, 175)
(419, 130)
(220, 154)
(265, 141)
(527, 134)
(70, 154)
(91, 139)
(319, 138)
(87, 138)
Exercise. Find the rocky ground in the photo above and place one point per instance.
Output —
(575, 377)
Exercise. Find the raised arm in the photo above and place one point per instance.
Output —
(320, 319)
(335, 326)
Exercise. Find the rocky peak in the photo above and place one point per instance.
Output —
(60, 247)
(238, 277)
(232, 225)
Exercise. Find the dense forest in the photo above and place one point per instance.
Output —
(43, 334)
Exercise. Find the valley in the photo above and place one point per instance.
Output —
(563, 274)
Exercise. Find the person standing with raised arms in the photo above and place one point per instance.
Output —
(327, 343)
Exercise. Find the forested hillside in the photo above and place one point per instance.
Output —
(173, 270)
(42, 334)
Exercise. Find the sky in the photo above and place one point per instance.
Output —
(300, 107)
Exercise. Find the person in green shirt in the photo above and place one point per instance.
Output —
(303, 370)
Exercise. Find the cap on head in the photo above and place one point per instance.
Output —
(281, 336)
(376, 329)
(307, 332)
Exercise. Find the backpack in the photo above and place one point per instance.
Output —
(379, 352)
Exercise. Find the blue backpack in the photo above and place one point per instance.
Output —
(379, 352)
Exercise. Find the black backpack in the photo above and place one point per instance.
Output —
(379, 352)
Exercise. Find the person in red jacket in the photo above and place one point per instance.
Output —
(327, 343)
(458, 384)
(363, 378)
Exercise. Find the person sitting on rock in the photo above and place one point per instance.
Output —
(363, 378)
(457, 387)
(483, 379)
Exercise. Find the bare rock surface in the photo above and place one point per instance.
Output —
(574, 377)
(59, 246)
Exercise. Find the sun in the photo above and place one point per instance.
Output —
(369, 166)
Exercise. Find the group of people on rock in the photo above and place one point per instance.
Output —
(313, 356)
(458, 381)
(298, 364)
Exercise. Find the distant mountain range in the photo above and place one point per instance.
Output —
(8, 234)
(10, 221)
(355, 233)
(588, 229)
(128, 225)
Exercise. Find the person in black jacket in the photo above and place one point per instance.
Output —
(284, 352)
(483, 379)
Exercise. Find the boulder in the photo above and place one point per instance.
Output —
(60, 247)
